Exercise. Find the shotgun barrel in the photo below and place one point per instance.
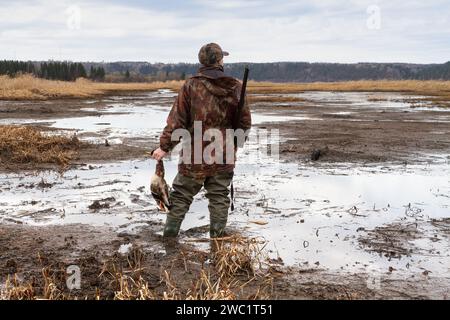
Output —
(237, 124)
(238, 114)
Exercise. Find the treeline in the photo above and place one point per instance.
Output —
(52, 70)
(11, 68)
(276, 72)
(291, 71)
(65, 71)
(97, 73)
(143, 71)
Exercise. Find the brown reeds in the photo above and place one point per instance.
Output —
(19, 290)
(130, 289)
(23, 144)
(15, 290)
(431, 87)
(237, 255)
(207, 289)
(28, 87)
(236, 266)
(273, 99)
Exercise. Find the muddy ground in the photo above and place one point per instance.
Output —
(363, 135)
(39, 114)
(27, 251)
(348, 134)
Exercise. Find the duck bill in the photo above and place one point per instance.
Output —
(161, 206)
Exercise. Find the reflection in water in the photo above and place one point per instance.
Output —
(320, 207)
(314, 213)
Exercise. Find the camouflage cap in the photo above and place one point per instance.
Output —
(210, 54)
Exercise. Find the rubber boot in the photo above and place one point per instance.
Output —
(171, 228)
(217, 229)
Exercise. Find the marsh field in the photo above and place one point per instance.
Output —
(356, 206)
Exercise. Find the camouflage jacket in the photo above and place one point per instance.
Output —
(210, 98)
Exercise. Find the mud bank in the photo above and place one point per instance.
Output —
(351, 127)
(99, 252)
(361, 127)
(322, 221)
(368, 219)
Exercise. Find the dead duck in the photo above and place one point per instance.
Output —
(318, 153)
(159, 188)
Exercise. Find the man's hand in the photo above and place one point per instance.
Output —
(158, 154)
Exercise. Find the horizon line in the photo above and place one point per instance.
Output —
(226, 63)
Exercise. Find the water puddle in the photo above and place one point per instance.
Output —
(382, 101)
(312, 215)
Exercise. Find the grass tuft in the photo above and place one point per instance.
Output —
(23, 144)
(28, 87)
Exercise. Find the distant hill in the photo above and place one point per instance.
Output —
(276, 72)
(293, 71)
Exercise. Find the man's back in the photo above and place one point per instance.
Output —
(208, 100)
(204, 112)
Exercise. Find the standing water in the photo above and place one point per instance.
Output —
(313, 216)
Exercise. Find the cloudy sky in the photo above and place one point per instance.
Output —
(253, 30)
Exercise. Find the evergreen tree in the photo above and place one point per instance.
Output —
(92, 73)
(101, 74)
(12, 68)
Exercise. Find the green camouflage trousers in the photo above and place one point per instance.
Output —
(184, 189)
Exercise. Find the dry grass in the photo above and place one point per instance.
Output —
(206, 289)
(440, 101)
(273, 99)
(438, 90)
(412, 86)
(233, 275)
(15, 290)
(50, 289)
(130, 289)
(237, 255)
(27, 87)
(22, 144)
(233, 258)
(203, 289)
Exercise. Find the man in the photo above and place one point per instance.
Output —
(208, 100)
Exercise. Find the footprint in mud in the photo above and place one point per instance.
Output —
(392, 241)
(195, 231)
(101, 204)
(136, 199)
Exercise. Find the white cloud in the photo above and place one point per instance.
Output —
(256, 30)
(230, 4)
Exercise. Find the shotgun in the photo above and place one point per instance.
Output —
(238, 113)
(237, 124)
